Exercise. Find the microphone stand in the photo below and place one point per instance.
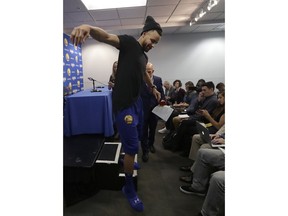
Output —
(94, 89)
(100, 85)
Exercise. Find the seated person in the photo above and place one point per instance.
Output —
(187, 127)
(217, 118)
(215, 121)
(198, 89)
(170, 125)
(174, 121)
(189, 95)
(197, 143)
(220, 87)
(168, 91)
(208, 180)
(176, 98)
(199, 84)
(178, 94)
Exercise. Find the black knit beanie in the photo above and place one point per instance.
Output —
(151, 24)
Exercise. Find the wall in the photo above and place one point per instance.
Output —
(181, 56)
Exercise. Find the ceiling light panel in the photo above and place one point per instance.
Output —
(108, 4)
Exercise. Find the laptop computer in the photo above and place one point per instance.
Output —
(205, 135)
(221, 149)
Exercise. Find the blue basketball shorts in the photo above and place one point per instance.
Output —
(129, 125)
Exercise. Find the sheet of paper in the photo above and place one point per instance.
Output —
(163, 112)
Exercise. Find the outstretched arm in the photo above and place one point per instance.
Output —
(81, 33)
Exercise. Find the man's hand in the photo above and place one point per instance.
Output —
(218, 141)
(212, 136)
(156, 94)
(205, 113)
(80, 34)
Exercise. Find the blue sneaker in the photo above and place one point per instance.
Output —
(134, 202)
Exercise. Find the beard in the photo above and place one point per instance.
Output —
(147, 47)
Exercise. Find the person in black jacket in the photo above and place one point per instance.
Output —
(150, 119)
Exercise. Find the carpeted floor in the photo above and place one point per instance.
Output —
(158, 188)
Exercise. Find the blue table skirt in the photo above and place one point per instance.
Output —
(89, 112)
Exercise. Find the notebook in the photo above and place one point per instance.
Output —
(205, 135)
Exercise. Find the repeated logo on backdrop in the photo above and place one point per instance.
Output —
(72, 67)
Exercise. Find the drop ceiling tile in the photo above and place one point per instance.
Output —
(133, 12)
(160, 10)
(191, 1)
(68, 18)
(180, 18)
(77, 17)
(107, 23)
(104, 14)
(172, 19)
(137, 21)
(162, 19)
(74, 24)
(185, 9)
(73, 6)
(162, 2)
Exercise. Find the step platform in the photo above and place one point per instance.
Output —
(109, 168)
(90, 165)
(80, 154)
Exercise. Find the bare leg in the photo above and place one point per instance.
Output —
(129, 163)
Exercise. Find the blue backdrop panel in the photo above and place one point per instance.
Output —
(72, 67)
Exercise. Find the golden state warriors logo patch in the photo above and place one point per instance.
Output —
(65, 42)
(128, 119)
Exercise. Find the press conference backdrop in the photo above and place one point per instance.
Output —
(72, 67)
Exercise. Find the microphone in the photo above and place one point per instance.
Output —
(91, 79)
(94, 80)
(94, 89)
